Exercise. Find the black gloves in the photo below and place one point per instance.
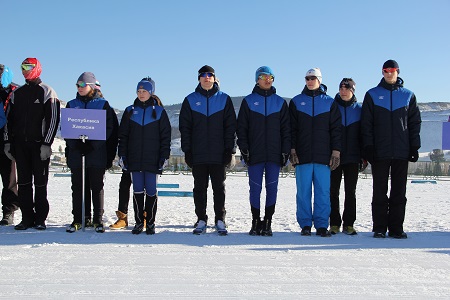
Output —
(227, 157)
(284, 159)
(413, 154)
(362, 165)
(188, 158)
(245, 155)
(368, 153)
(162, 161)
(85, 147)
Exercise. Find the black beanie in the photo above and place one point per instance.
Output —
(206, 69)
(391, 64)
(348, 83)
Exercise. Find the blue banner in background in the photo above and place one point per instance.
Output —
(88, 122)
(446, 136)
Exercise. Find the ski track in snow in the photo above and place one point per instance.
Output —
(174, 263)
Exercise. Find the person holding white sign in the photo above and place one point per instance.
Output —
(95, 152)
(144, 147)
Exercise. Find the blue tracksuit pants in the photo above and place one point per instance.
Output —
(319, 176)
(255, 177)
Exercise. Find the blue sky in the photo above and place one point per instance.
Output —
(123, 41)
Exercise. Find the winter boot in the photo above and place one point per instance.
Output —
(150, 229)
(138, 228)
(151, 206)
(256, 227)
(8, 218)
(138, 204)
(266, 227)
(122, 221)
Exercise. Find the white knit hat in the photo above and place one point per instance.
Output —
(315, 72)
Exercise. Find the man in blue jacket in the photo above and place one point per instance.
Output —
(351, 161)
(315, 151)
(208, 125)
(390, 125)
(264, 137)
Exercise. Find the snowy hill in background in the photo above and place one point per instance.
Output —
(433, 114)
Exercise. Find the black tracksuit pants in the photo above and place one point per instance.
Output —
(201, 174)
(31, 169)
(124, 191)
(350, 172)
(388, 213)
(94, 188)
(10, 201)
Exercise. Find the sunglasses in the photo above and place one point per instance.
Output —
(207, 74)
(265, 77)
(390, 70)
(82, 84)
(28, 67)
(308, 78)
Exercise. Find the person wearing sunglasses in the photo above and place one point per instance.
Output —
(10, 202)
(144, 148)
(264, 139)
(89, 96)
(315, 151)
(350, 160)
(33, 120)
(207, 125)
(390, 125)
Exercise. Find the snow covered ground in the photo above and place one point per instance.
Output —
(174, 263)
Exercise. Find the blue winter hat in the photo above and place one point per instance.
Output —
(6, 76)
(146, 84)
(263, 70)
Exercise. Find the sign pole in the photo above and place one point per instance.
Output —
(83, 186)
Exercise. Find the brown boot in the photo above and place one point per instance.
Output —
(122, 221)
(145, 219)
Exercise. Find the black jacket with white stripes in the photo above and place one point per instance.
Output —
(33, 114)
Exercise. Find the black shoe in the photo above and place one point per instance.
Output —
(138, 228)
(306, 231)
(323, 232)
(8, 219)
(23, 226)
(256, 227)
(88, 223)
(379, 235)
(150, 229)
(99, 228)
(73, 227)
(40, 226)
(266, 227)
(401, 235)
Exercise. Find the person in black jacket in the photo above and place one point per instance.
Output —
(33, 119)
(207, 126)
(351, 161)
(10, 202)
(95, 152)
(390, 125)
(144, 147)
(263, 133)
(316, 145)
